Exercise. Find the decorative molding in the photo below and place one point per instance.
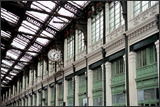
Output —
(115, 45)
(79, 64)
(94, 56)
(81, 54)
(69, 61)
(115, 34)
(142, 17)
(142, 31)
(96, 45)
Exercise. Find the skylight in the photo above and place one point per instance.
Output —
(5, 34)
(18, 67)
(25, 30)
(31, 53)
(12, 73)
(30, 25)
(4, 69)
(8, 78)
(9, 16)
(40, 16)
(42, 41)
(9, 63)
(44, 33)
(65, 12)
(12, 55)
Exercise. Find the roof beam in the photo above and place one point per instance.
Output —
(11, 68)
(26, 33)
(16, 60)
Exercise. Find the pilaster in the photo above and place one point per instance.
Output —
(49, 96)
(157, 49)
(132, 77)
(76, 90)
(108, 83)
(65, 91)
(57, 91)
(90, 85)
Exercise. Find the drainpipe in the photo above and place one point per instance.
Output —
(74, 66)
(55, 86)
(104, 53)
(124, 7)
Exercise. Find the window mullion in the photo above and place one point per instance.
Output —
(140, 6)
(114, 15)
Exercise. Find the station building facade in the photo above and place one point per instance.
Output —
(81, 78)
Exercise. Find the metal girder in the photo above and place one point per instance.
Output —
(23, 50)
(11, 68)
(16, 60)
(70, 10)
(25, 33)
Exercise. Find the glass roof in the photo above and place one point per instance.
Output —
(38, 22)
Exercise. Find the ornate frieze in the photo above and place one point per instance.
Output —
(96, 45)
(69, 61)
(144, 30)
(114, 46)
(115, 34)
(81, 54)
(142, 17)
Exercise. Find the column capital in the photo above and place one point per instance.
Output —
(76, 78)
(90, 72)
(157, 45)
(132, 55)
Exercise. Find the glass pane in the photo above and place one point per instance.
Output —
(140, 95)
(149, 94)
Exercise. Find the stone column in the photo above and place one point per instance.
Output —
(102, 85)
(9, 92)
(33, 97)
(132, 77)
(13, 90)
(65, 91)
(57, 91)
(90, 85)
(43, 96)
(76, 90)
(157, 48)
(108, 83)
(65, 51)
(37, 99)
(49, 96)
(88, 34)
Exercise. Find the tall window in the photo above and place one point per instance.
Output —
(146, 56)
(46, 98)
(40, 98)
(148, 97)
(140, 6)
(41, 68)
(52, 96)
(35, 99)
(118, 99)
(97, 27)
(70, 93)
(97, 87)
(60, 94)
(31, 100)
(115, 15)
(81, 45)
(82, 89)
(70, 47)
(117, 67)
(97, 74)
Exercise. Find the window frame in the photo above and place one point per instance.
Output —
(94, 36)
(120, 18)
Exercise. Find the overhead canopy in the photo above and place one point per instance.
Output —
(27, 27)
